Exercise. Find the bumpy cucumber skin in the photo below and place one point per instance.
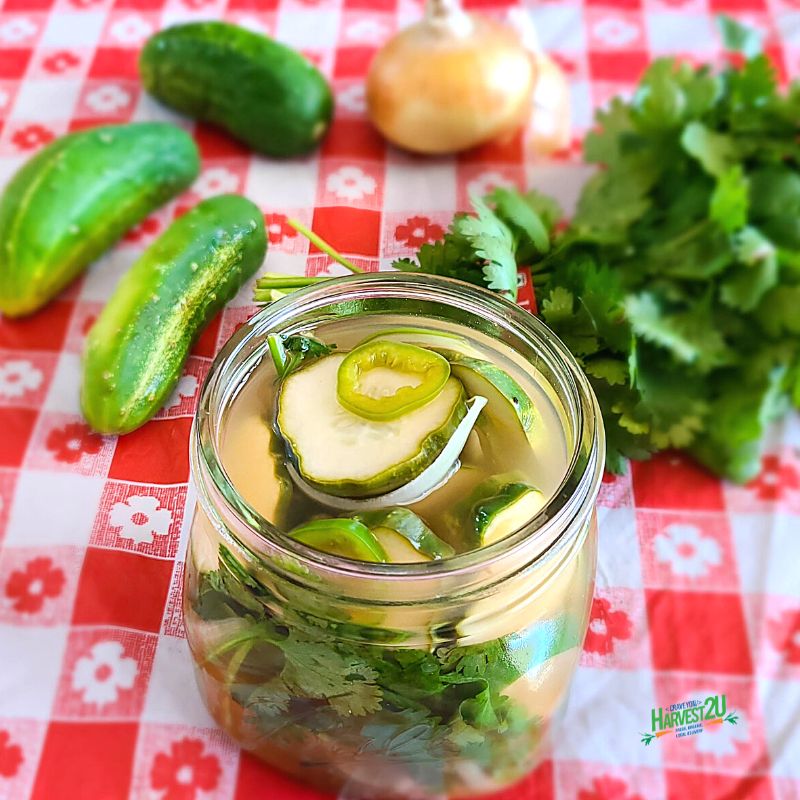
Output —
(77, 196)
(136, 350)
(260, 91)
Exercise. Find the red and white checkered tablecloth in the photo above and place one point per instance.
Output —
(698, 588)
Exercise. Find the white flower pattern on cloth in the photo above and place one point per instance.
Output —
(486, 182)
(615, 32)
(216, 180)
(140, 518)
(686, 550)
(350, 183)
(352, 98)
(108, 98)
(17, 30)
(4, 98)
(100, 675)
(186, 387)
(19, 376)
(131, 30)
(720, 740)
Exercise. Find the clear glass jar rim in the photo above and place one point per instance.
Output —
(575, 495)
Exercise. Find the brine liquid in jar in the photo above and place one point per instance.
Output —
(390, 440)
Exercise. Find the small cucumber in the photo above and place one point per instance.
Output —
(260, 91)
(136, 349)
(75, 198)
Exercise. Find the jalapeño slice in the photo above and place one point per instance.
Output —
(382, 380)
(341, 537)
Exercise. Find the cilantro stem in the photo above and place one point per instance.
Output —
(278, 353)
(323, 245)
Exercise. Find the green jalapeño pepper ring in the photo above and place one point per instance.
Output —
(420, 375)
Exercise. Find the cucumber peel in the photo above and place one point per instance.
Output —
(497, 508)
(341, 537)
(509, 405)
(412, 528)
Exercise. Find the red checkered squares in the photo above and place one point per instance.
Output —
(14, 62)
(25, 377)
(353, 138)
(114, 62)
(123, 589)
(698, 632)
(710, 786)
(687, 550)
(174, 761)
(65, 443)
(144, 519)
(16, 425)
(183, 399)
(696, 590)
(20, 745)
(104, 674)
(353, 61)
(37, 587)
(155, 453)
(617, 633)
(44, 330)
(349, 230)
(256, 781)
(86, 761)
(672, 480)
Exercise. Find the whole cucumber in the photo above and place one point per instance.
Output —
(260, 91)
(136, 350)
(69, 203)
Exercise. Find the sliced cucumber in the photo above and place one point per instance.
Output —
(509, 405)
(341, 537)
(398, 549)
(342, 454)
(443, 467)
(407, 525)
(497, 508)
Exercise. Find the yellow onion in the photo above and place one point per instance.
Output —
(450, 82)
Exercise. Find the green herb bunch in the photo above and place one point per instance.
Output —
(678, 281)
(363, 690)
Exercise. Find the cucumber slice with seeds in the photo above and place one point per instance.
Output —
(344, 455)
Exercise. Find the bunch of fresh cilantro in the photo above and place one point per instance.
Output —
(677, 283)
(294, 673)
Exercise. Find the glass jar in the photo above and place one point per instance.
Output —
(424, 680)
